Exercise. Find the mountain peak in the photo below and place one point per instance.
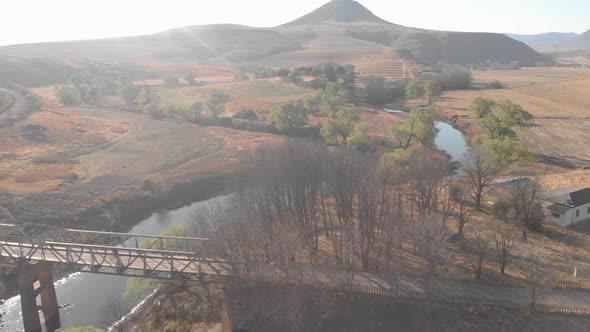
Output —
(343, 11)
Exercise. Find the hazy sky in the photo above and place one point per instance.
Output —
(25, 21)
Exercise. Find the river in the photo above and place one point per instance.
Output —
(451, 140)
(86, 297)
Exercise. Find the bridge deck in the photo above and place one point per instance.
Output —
(120, 260)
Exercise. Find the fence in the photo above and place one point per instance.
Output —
(281, 280)
(485, 276)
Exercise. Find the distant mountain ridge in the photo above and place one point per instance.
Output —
(544, 39)
(555, 41)
(341, 30)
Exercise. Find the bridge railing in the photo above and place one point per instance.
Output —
(159, 241)
(119, 259)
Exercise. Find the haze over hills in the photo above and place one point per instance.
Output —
(555, 41)
(581, 42)
(341, 30)
(544, 39)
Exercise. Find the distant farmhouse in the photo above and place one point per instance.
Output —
(572, 208)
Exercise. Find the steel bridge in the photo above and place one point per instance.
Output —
(144, 256)
(147, 262)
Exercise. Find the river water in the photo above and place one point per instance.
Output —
(451, 140)
(87, 297)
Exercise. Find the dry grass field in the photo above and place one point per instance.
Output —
(558, 99)
(258, 95)
(566, 99)
(528, 76)
(77, 146)
(561, 140)
(575, 60)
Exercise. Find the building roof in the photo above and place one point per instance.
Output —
(559, 208)
(573, 199)
(580, 197)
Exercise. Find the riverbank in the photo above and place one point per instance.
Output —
(120, 214)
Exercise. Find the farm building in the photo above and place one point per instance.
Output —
(572, 208)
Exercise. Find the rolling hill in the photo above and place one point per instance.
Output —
(341, 31)
(582, 42)
(544, 39)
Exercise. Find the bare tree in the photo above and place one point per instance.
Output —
(113, 312)
(536, 277)
(459, 196)
(481, 169)
(427, 182)
(478, 248)
(528, 212)
(432, 236)
(505, 237)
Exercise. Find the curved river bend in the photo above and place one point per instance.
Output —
(86, 297)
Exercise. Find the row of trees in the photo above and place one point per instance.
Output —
(301, 198)
(342, 125)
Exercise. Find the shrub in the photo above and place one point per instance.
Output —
(246, 115)
(495, 85)
(454, 78)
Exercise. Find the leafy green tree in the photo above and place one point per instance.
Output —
(214, 108)
(495, 85)
(505, 118)
(415, 89)
(129, 92)
(312, 105)
(219, 96)
(513, 114)
(482, 107)
(392, 163)
(331, 101)
(330, 132)
(190, 78)
(246, 114)
(67, 96)
(431, 91)
(359, 138)
(507, 150)
(288, 116)
(330, 73)
(340, 126)
(419, 127)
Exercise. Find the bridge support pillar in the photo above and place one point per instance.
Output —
(36, 280)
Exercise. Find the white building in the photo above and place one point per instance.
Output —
(572, 208)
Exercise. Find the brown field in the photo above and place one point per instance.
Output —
(563, 139)
(575, 60)
(258, 95)
(86, 144)
(561, 106)
(388, 65)
(528, 76)
(530, 98)
(182, 69)
(21, 165)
